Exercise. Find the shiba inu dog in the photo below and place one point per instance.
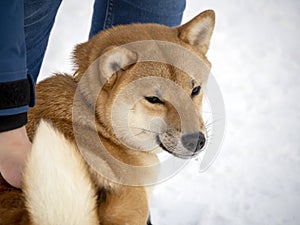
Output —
(137, 90)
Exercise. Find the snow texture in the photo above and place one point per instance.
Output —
(255, 54)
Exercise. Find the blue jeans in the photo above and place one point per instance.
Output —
(40, 16)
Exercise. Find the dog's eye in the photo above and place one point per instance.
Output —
(154, 100)
(196, 91)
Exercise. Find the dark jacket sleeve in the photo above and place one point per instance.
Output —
(16, 87)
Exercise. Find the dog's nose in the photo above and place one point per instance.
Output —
(194, 141)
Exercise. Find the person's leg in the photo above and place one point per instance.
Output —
(38, 21)
(108, 13)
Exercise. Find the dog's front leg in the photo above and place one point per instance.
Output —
(127, 205)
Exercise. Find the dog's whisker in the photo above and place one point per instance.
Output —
(146, 130)
(138, 134)
(211, 113)
(209, 129)
(210, 123)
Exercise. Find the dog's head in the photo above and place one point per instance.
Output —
(152, 80)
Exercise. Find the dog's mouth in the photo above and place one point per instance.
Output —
(185, 155)
(162, 145)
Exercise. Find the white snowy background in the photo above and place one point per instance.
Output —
(255, 54)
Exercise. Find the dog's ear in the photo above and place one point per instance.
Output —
(81, 57)
(111, 59)
(114, 59)
(198, 31)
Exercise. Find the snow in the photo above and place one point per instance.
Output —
(255, 54)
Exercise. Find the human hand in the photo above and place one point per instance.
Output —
(14, 148)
